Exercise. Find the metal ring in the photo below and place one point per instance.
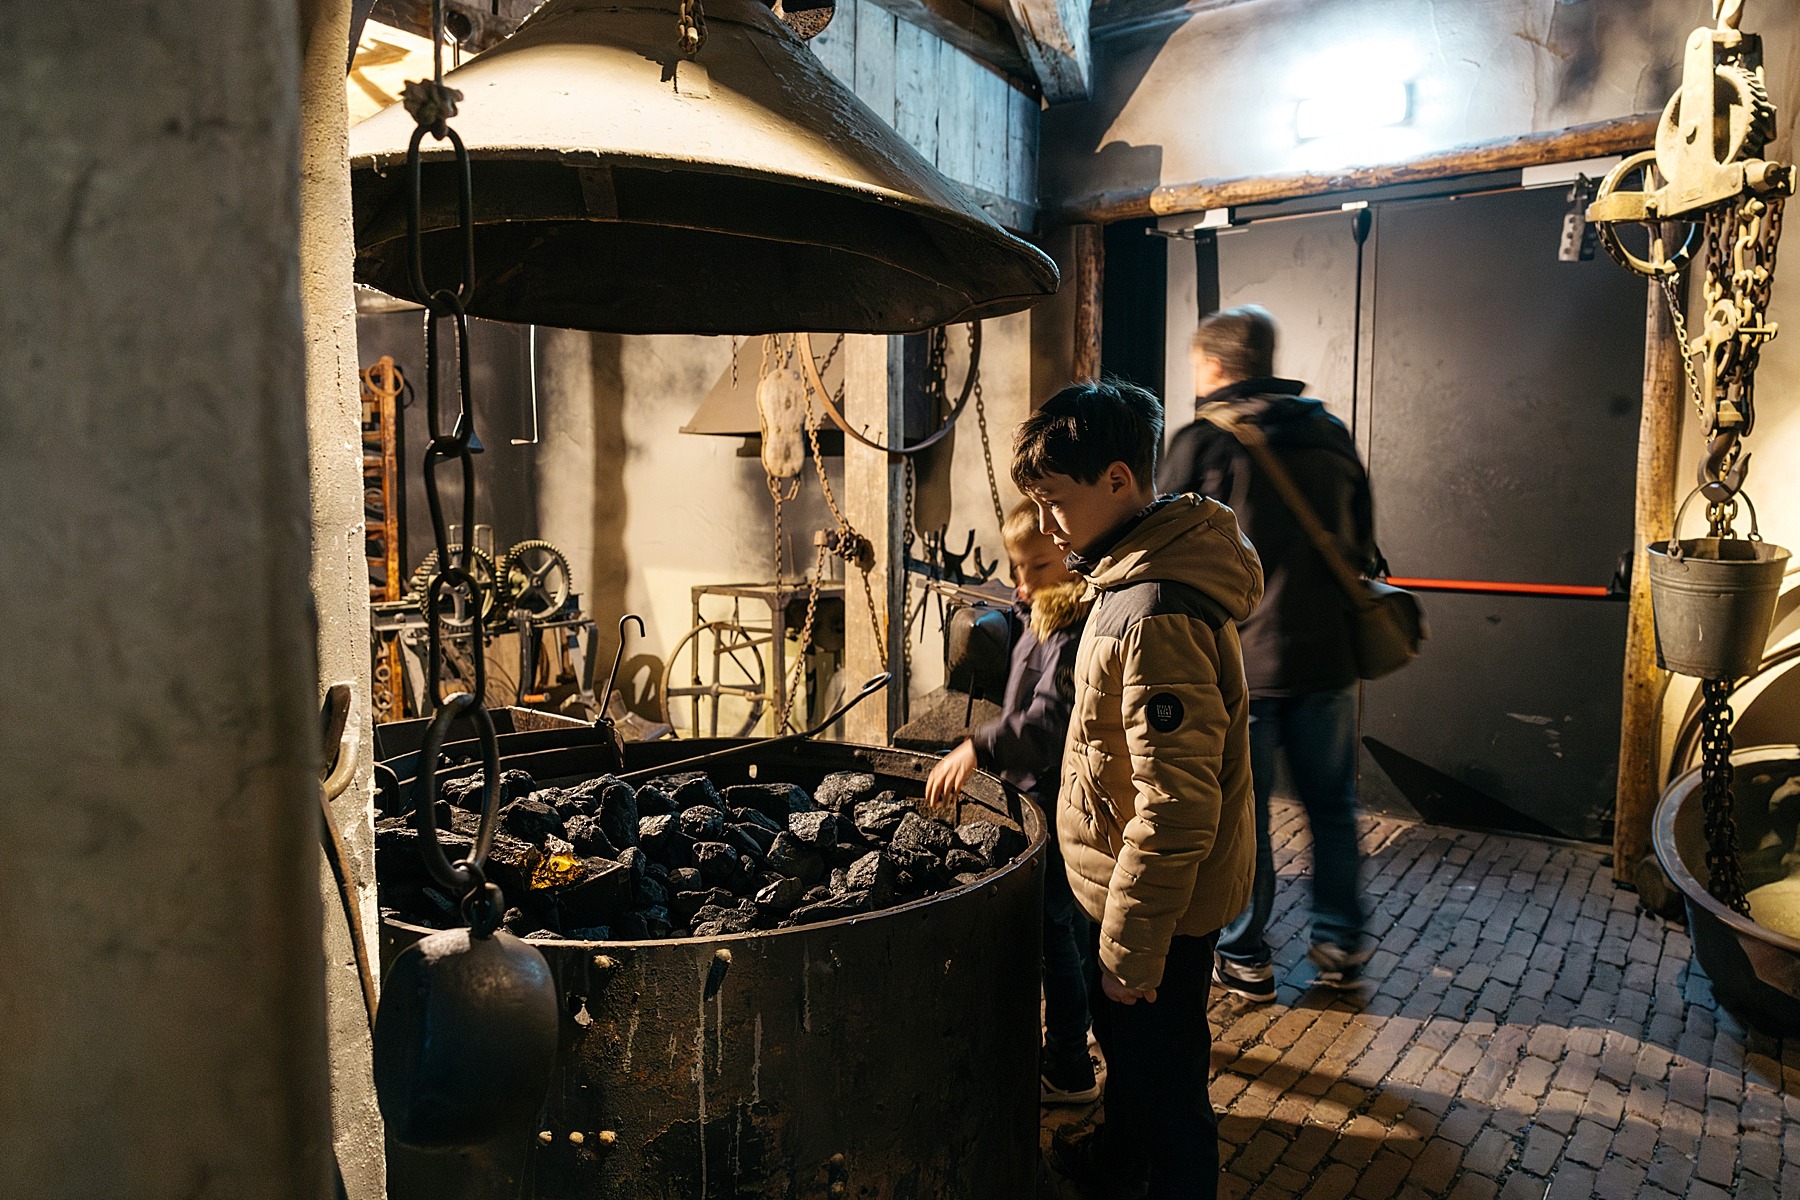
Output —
(465, 875)
(816, 383)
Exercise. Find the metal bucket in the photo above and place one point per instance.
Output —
(1714, 600)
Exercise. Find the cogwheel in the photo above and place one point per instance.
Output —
(1739, 93)
(481, 569)
(534, 576)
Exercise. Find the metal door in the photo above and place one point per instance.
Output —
(1500, 429)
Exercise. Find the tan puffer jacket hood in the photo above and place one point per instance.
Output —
(1155, 816)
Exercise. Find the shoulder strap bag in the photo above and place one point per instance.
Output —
(1387, 625)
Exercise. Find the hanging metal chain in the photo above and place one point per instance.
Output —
(987, 447)
(432, 104)
(798, 672)
(909, 517)
(1724, 877)
(852, 546)
(690, 28)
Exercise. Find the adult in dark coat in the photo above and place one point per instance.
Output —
(1298, 655)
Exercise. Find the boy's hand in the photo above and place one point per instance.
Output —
(1118, 993)
(949, 777)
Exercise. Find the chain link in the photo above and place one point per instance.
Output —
(432, 104)
(987, 447)
(690, 28)
(850, 542)
(1724, 878)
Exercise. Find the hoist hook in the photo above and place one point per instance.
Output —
(1718, 485)
(619, 655)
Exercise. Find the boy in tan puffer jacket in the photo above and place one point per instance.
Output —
(1155, 817)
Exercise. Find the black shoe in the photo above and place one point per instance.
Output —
(1070, 1080)
(1255, 982)
(1074, 1163)
(1339, 969)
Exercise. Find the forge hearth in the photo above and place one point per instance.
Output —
(829, 968)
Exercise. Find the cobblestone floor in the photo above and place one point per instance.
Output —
(1523, 1032)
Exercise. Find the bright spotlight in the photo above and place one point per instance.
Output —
(1354, 89)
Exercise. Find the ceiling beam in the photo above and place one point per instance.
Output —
(1602, 138)
(966, 27)
(1053, 34)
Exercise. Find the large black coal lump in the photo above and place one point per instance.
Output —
(715, 921)
(842, 790)
(703, 823)
(961, 862)
(875, 874)
(747, 815)
(399, 857)
(654, 832)
(686, 879)
(788, 856)
(685, 789)
(530, 820)
(568, 804)
(776, 800)
(653, 801)
(780, 897)
(995, 845)
(880, 818)
(589, 837)
(815, 829)
(683, 905)
(603, 892)
(618, 810)
(741, 839)
(717, 861)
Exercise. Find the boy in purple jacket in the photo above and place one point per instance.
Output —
(1024, 746)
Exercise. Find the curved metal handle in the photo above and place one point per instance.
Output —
(343, 737)
(619, 657)
(874, 685)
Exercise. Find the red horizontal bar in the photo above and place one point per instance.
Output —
(1489, 585)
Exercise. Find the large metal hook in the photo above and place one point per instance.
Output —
(1718, 485)
(619, 657)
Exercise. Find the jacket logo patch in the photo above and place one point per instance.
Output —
(1165, 712)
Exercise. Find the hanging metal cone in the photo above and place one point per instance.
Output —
(620, 187)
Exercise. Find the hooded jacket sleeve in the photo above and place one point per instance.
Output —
(1031, 736)
(1175, 723)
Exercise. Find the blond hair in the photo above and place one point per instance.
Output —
(1021, 527)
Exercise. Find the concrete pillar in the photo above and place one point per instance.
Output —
(340, 573)
(163, 1004)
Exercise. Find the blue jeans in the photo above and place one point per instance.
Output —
(1318, 732)
(1065, 971)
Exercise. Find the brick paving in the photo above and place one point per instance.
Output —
(1524, 1032)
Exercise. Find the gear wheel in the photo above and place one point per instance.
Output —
(481, 569)
(1750, 124)
(535, 577)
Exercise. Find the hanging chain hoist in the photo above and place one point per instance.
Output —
(465, 1037)
(1706, 183)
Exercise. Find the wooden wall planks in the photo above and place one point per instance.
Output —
(961, 116)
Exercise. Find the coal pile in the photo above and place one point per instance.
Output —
(680, 856)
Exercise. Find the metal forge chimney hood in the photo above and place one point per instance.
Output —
(622, 187)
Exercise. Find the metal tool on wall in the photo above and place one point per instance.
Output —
(1706, 183)
(465, 1039)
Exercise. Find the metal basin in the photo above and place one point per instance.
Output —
(1755, 971)
(888, 1056)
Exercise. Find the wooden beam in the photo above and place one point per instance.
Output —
(1090, 287)
(874, 402)
(1053, 34)
(1619, 136)
(1640, 726)
(485, 29)
(969, 29)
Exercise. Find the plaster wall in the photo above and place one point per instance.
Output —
(1212, 94)
(339, 570)
(163, 1003)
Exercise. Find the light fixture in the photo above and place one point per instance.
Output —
(1353, 106)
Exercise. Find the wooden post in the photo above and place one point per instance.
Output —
(873, 487)
(1090, 276)
(1640, 726)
